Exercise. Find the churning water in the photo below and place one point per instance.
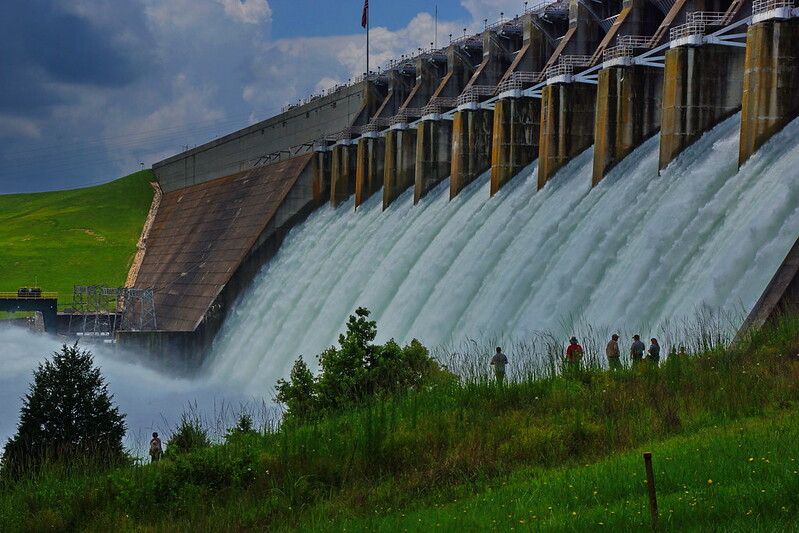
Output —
(634, 253)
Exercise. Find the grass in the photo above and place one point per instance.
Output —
(77, 237)
(547, 452)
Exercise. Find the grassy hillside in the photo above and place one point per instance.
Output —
(549, 453)
(77, 237)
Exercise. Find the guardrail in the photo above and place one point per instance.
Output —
(16, 295)
(405, 115)
(615, 52)
(636, 41)
(686, 30)
(711, 18)
(518, 79)
(473, 93)
(438, 104)
(762, 6)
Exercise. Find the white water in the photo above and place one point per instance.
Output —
(629, 254)
(633, 253)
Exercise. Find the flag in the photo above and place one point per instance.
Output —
(365, 15)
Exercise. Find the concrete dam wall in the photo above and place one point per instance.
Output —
(541, 87)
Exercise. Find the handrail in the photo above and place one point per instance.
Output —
(711, 18)
(474, 92)
(686, 30)
(761, 6)
(15, 295)
(437, 104)
(517, 79)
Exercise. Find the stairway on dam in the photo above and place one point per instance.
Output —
(539, 88)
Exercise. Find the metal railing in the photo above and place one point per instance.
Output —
(635, 41)
(710, 18)
(559, 7)
(17, 295)
(438, 104)
(686, 30)
(405, 115)
(762, 6)
(377, 124)
(472, 94)
(615, 52)
(518, 79)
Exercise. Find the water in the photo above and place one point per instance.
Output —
(634, 253)
(637, 252)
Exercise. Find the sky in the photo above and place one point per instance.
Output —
(93, 90)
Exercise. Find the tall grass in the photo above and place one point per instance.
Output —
(415, 453)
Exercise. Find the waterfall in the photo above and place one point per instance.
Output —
(637, 251)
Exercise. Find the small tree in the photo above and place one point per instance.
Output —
(67, 415)
(355, 371)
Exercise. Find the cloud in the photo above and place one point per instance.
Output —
(247, 11)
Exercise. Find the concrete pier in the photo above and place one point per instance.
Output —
(771, 82)
(321, 171)
(399, 172)
(628, 107)
(703, 86)
(516, 131)
(433, 155)
(471, 147)
(567, 126)
(343, 171)
(369, 169)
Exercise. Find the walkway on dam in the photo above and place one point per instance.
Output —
(44, 302)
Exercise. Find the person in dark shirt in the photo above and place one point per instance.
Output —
(637, 350)
(654, 352)
(498, 362)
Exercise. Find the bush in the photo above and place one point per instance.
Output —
(356, 370)
(190, 436)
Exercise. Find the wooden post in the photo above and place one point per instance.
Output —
(650, 482)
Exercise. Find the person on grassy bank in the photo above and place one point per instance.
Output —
(637, 350)
(574, 353)
(498, 362)
(613, 354)
(654, 351)
(156, 450)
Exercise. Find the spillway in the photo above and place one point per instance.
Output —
(636, 252)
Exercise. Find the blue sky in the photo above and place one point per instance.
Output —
(93, 89)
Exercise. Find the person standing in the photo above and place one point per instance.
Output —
(613, 354)
(156, 451)
(654, 351)
(637, 350)
(498, 362)
(574, 352)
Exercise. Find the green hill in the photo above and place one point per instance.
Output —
(77, 237)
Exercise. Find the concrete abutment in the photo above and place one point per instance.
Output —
(399, 172)
(567, 126)
(628, 107)
(471, 147)
(517, 127)
(343, 169)
(369, 171)
(770, 84)
(433, 155)
(702, 86)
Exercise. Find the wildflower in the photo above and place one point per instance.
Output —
(710, 481)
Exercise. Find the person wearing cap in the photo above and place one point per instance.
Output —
(498, 362)
(612, 351)
(637, 350)
(574, 352)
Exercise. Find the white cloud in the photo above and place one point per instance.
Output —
(247, 11)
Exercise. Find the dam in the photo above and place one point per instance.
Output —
(617, 163)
